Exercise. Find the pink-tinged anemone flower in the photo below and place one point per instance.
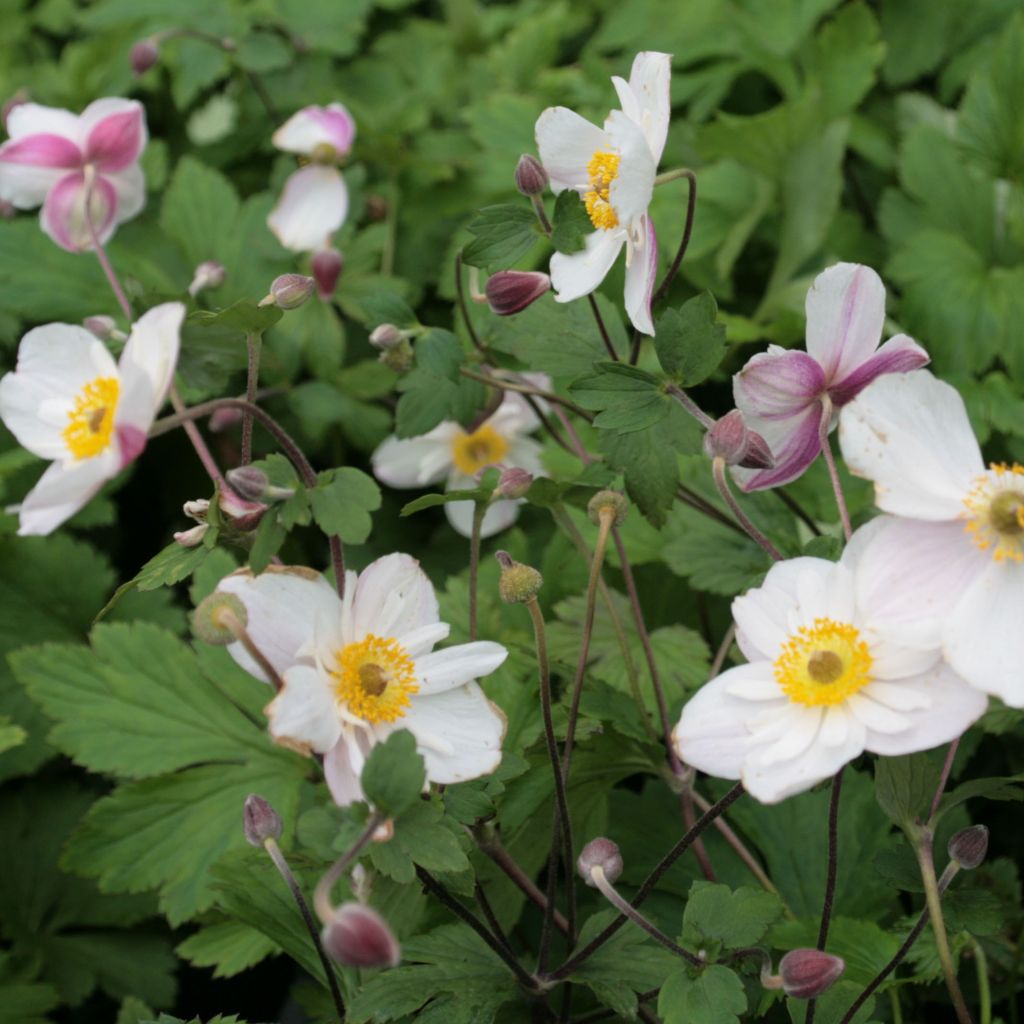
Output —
(68, 401)
(613, 169)
(314, 202)
(785, 395)
(949, 560)
(357, 670)
(81, 169)
(831, 673)
(457, 456)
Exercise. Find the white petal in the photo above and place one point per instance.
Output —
(878, 718)
(525, 453)
(579, 273)
(985, 632)
(754, 682)
(641, 268)
(420, 641)
(33, 119)
(130, 186)
(515, 415)
(416, 461)
(645, 98)
(312, 207)
(893, 659)
(62, 490)
(455, 666)
(910, 434)
(312, 126)
(631, 190)
(952, 707)
(910, 574)
(342, 780)
(283, 604)
(898, 695)
(392, 596)
(25, 186)
(304, 715)
(149, 358)
(803, 728)
(566, 142)
(845, 313)
(500, 515)
(458, 732)
(835, 727)
(55, 362)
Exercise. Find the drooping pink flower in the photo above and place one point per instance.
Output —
(314, 202)
(83, 170)
(784, 395)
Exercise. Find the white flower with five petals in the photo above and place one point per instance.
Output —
(613, 168)
(830, 675)
(68, 401)
(314, 202)
(355, 671)
(950, 557)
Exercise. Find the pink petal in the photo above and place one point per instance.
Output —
(116, 141)
(795, 442)
(898, 355)
(131, 441)
(777, 384)
(64, 212)
(845, 312)
(337, 123)
(43, 150)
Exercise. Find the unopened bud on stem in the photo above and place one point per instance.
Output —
(969, 846)
(260, 821)
(289, 291)
(253, 484)
(209, 274)
(807, 973)
(357, 936)
(145, 53)
(511, 291)
(600, 853)
(327, 265)
(386, 336)
(104, 327)
(730, 440)
(513, 483)
(531, 178)
(518, 583)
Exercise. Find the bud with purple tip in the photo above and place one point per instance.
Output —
(600, 853)
(531, 178)
(289, 291)
(254, 485)
(104, 327)
(386, 336)
(969, 846)
(327, 265)
(730, 440)
(209, 274)
(145, 53)
(511, 291)
(807, 973)
(513, 483)
(357, 936)
(260, 821)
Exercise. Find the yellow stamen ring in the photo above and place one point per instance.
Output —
(995, 512)
(602, 170)
(375, 678)
(473, 452)
(91, 419)
(823, 664)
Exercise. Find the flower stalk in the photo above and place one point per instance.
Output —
(253, 344)
(833, 470)
(722, 483)
(479, 511)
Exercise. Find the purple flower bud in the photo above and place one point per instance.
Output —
(209, 274)
(224, 419)
(386, 336)
(806, 973)
(327, 265)
(730, 440)
(7, 210)
(289, 291)
(248, 482)
(192, 538)
(510, 291)
(21, 96)
(104, 327)
(531, 178)
(358, 936)
(260, 821)
(969, 846)
(600, 853)
(514, 483)
(145, 53)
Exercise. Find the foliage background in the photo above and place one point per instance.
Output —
(888, 133)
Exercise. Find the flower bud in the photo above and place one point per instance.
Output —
(600, 853)
(531, 178)
(510, 291)
(145, 53)
(518, 583)
(20, 97)
(209, 274)
(807, 973)
(254, 485)
(969, 846)
(730, 440)
(192, 538)
(386, 336)
(513, 483)
(358, 936)
(211, 615)
(260, 821)
(608, 500)
(289, 291)
(327, 265)
(104, 327)
(398, 359)
(224, 418)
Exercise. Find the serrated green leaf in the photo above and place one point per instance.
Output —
(689, 343)
(172, 565)
(718, 916)
(628, 398)
(570, 223)
(244, 316)
(904, 786)
(502, 234)
(342, 502)
(394, 774)
(714, 996)
(229, 947)
(421, 837)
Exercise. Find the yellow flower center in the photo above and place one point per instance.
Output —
(995, 512)
(91, 420)
(823, 664)
(473, 452)
(375, 678)
(603, 168)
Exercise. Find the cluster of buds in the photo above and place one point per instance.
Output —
(234, 513)
(730, 440)
(394, 346)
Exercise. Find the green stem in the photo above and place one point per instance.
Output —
(252, 345)
(479, 511)
(718, 471)
(322, 893)
(984, 989)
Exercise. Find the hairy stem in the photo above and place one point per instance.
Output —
(460, 295)
(684, 242)
(226, 618)
(722, 483)
(833, 471)
(526, 389)
(479, 511)
(322, 893)
(984, 988)
(253, 343)
(947, 768)
(690, 406)
(605, 336)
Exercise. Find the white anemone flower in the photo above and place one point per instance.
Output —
(357, 670)
(450, 453)
(314, 202)
(613, 168)
(830, 675)
(68, 401)
(951, 555)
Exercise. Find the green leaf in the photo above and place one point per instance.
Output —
(720, 918)
(864, 946)
(629, 398)
(394, 774)
(488, 481)
(244, 317)
(342, 502)
(199, 211)
(502, 234)
(422, 836)
(270, 536)
(431, 391)
(10, 735)
(904, 787)
(714, 996)
(229, 947)
(689, 343)
(847, 53)
(172, 565)
(832, 1006)
(570, 223)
